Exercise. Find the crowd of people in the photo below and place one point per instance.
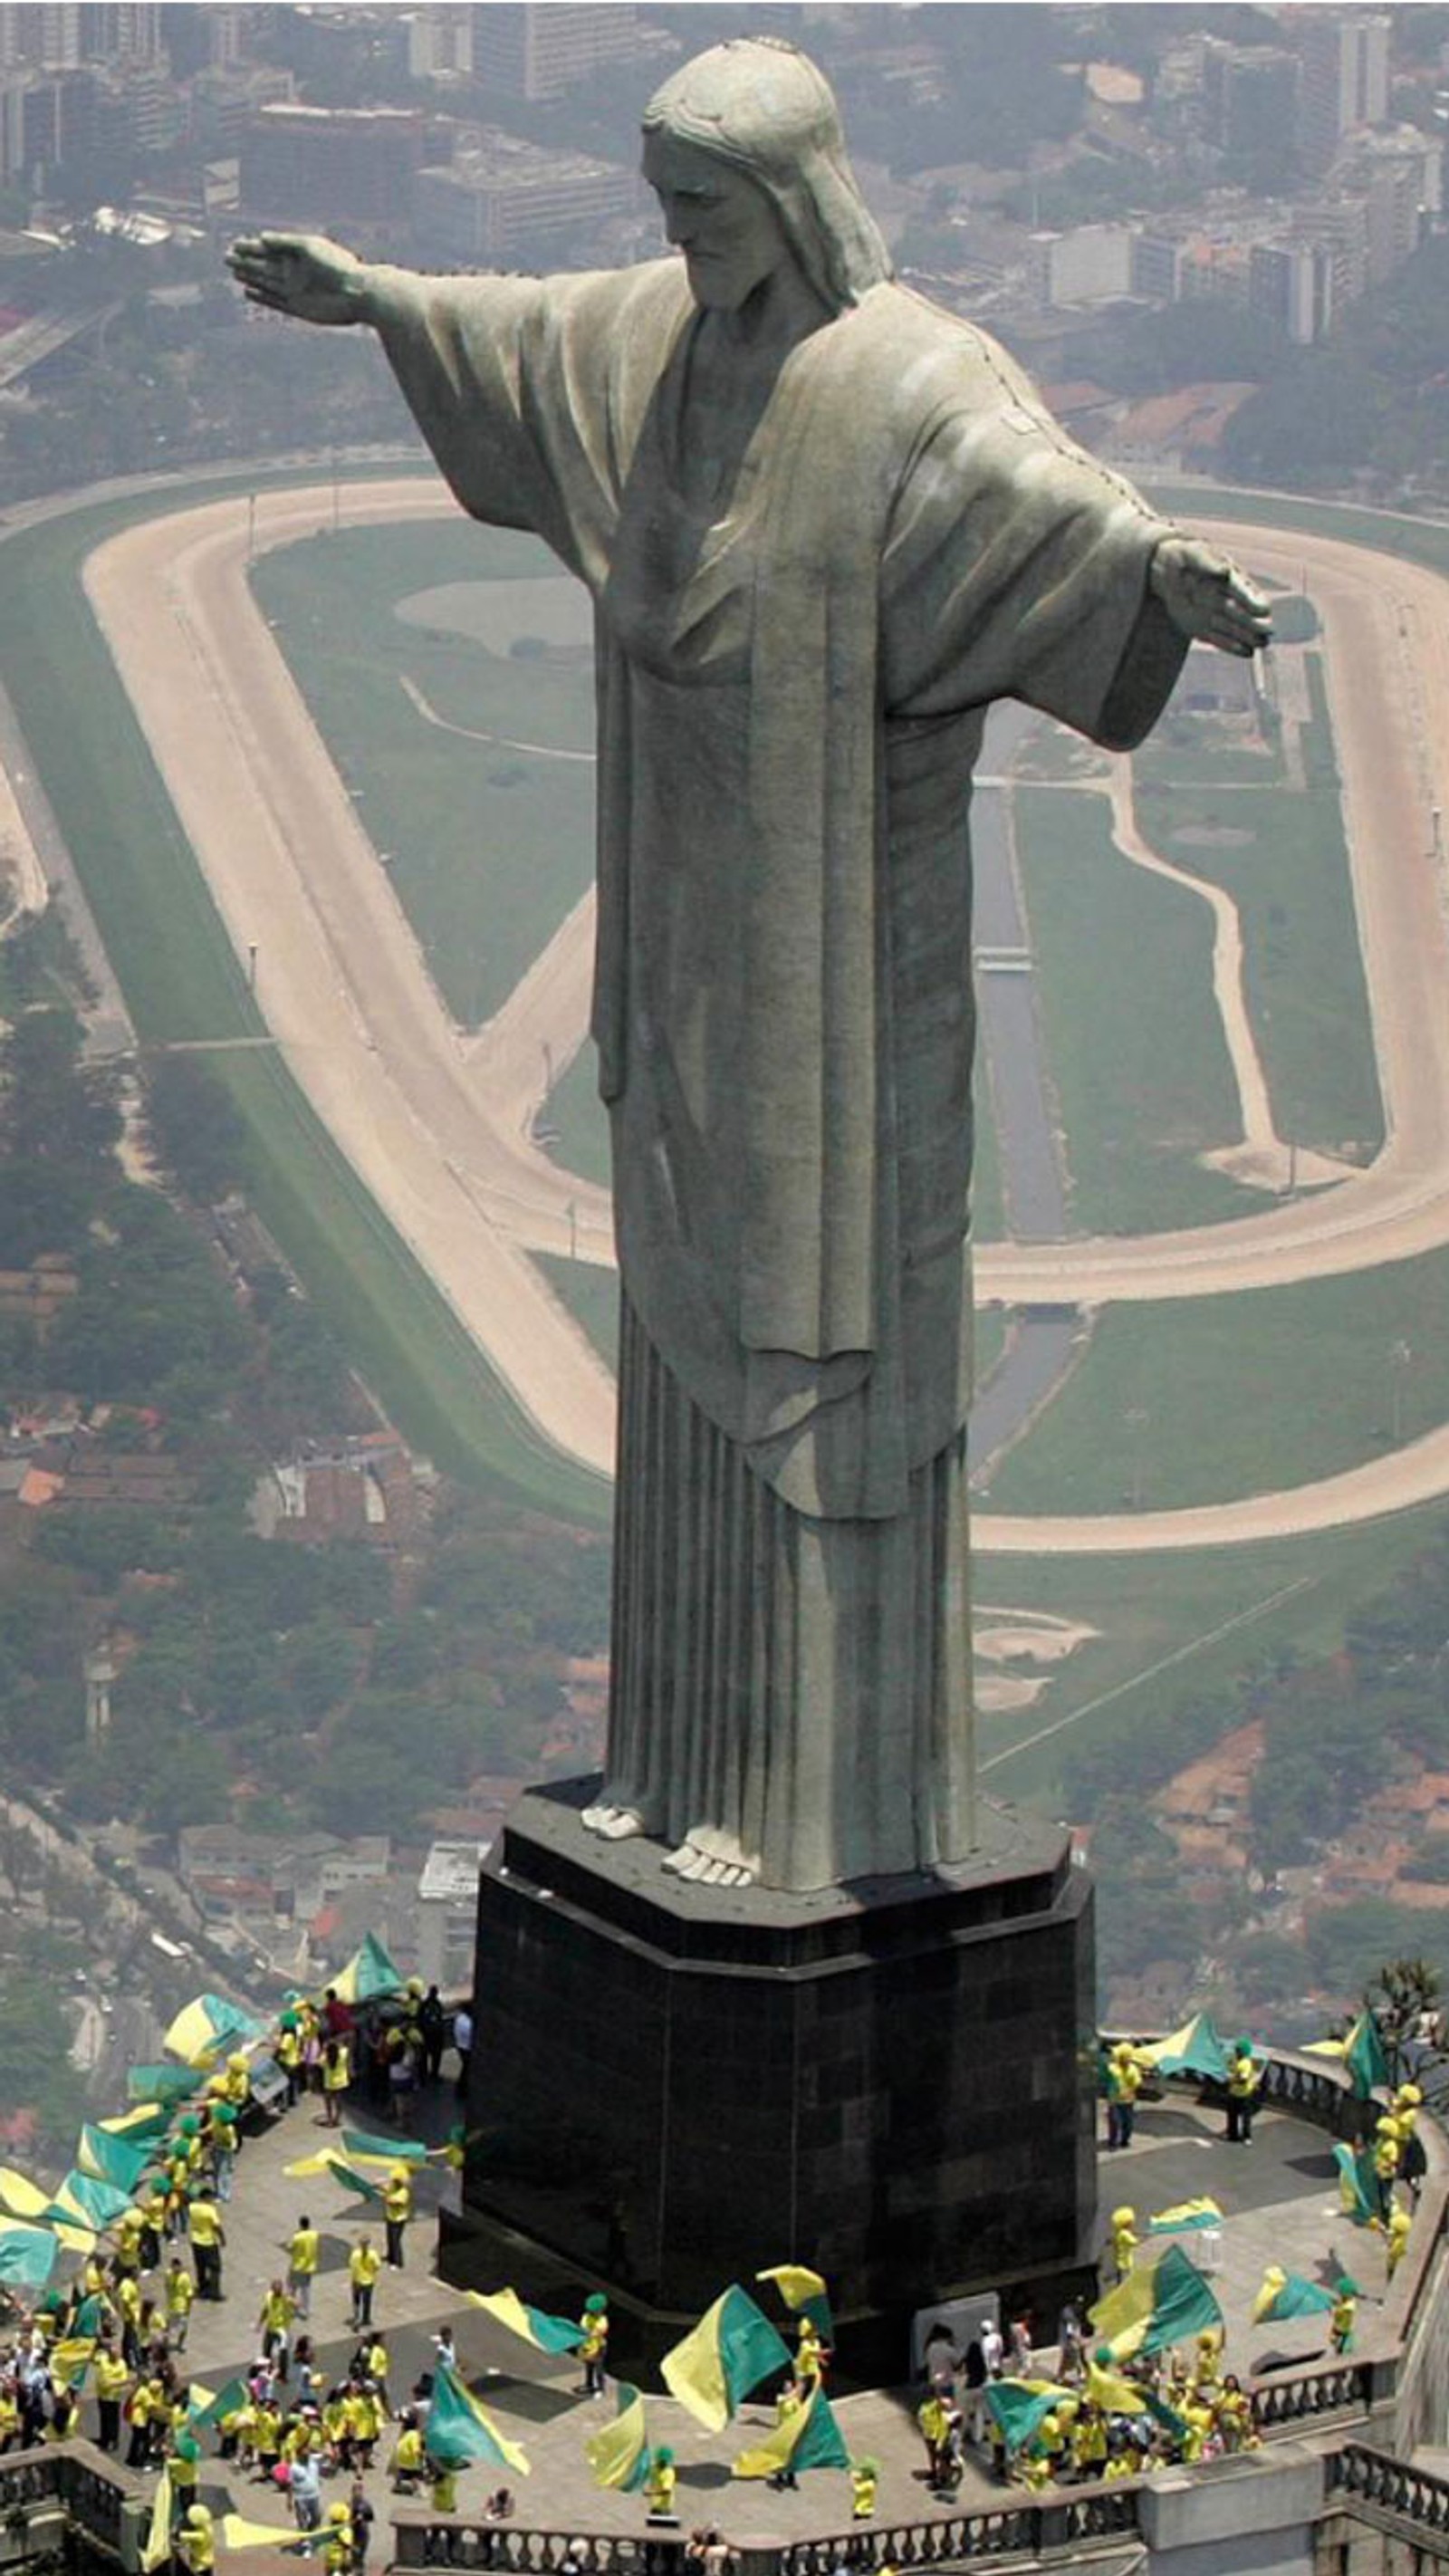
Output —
(105, 2355)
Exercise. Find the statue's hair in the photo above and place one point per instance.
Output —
(761, 105)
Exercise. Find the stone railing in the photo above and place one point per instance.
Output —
(1358, 2475)
(1019, 2526)
(1291, 2399)
(87, 2493)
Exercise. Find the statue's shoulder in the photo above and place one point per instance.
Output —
(909, 342)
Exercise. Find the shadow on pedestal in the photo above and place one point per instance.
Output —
(675, 2085)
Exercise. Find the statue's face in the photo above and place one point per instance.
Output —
(729, 232)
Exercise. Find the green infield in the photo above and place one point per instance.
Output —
(1282, 858)
(472, 760)
(1169, 1631)
(591, 1295)
(182, 979)
(1134, 1044)
(1201, 1400)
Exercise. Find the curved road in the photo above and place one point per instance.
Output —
(438, 1126)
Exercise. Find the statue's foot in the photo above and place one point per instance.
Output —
(614, 1824)
(710, 1857)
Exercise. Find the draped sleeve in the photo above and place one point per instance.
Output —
(1017, 566)
(531, 392)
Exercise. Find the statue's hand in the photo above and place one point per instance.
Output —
(302, 274)
(1208, 598)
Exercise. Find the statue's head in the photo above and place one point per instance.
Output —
(758, 108)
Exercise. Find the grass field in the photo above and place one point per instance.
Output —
(181, 978)
(591, 1296)
(1303, 973)
(1245, 1394)
(489, 845)
(1175, 1628)
(1134, 1044)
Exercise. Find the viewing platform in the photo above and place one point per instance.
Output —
(1340, 2435)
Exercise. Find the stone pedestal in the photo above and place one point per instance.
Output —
(673, 2085)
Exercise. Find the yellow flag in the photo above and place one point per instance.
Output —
(795, 2282)
(22, 2197)
(68, 2360)
(1122, 2318)
(238, 2533)
(156, 2547)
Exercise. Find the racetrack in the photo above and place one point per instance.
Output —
(438, 1125)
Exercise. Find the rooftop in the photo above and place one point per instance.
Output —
(1279, 2201)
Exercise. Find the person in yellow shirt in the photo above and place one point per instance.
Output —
(336, 2077)
(111, 2379)
(443, 2481)
(593, 2351)
(1396, 2236)
(660, 2484)
(128, 2309)
(363, 2266)
(1124, 2240)
(208, 2236)
(337, 2549)
(303, 2255)
(864, 2479)
(274, 2319)
(180, 2291)
(196, 2541)
(397, 2209)
(183, 2461)
(365, 2421)
(267, 2436)
(406, 2464)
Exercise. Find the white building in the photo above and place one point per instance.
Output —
(448, 1914)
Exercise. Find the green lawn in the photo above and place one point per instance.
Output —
(489, 846)
(1245, 1394)
(1174, 1628)
(591, 1296)
(181, 978)
(575, 1109)
(1134, 1044)
(1303, 973)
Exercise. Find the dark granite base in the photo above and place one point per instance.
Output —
(673, 2086)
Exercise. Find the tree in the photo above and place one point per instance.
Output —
(1405, 1997)
(196, 1129)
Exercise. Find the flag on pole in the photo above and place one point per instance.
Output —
(1163, 2298)
(1193, 2049)
(83, 2200)
(619, 2456)
(143, 2120)
(1019, 2407)
(121, 2161)
(364, 2147)
(238, 2533)
(1286, 2294)
(156, 2547)
(459, 2429)
(210, 2027)
(804, 2293)
(535, 2325)
(163, 2084)
(1184, 2216)
(1359, 2197)
(70, 2359)
(19, 2195)
(1362, 2053)
(368, 1973)
(27, 2254)
(328, 2162)
(716, 2365)
(807, 2438)
(208, 2407)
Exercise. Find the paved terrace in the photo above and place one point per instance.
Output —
(1280, 2203)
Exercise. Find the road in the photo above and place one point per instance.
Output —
(439, 1125)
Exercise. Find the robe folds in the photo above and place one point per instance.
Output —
(793, 678)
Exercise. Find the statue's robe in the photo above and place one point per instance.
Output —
(792, 684)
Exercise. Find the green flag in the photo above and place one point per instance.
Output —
(459, 2429)
(716, 2365)
(619, 2456)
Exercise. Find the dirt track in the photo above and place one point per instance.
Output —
(438, 1125)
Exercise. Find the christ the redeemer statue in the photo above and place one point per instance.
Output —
(825, 525)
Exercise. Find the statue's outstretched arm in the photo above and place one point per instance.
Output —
(306, 275)
(1207, 597)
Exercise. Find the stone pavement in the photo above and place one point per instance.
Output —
(1280, 2203)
